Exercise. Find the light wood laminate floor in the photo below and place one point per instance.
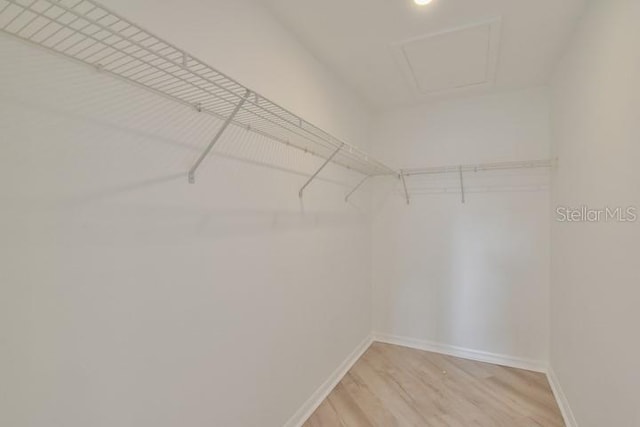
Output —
(398, 386)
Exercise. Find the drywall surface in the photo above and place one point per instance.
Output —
(129, 297)
(595, 276)
(473, 275)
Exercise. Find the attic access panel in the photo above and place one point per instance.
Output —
(451, 60)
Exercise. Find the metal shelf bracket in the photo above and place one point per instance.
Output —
(461, 184)
(404, 184)
(326, 162)
(346, 198)
(227, 122)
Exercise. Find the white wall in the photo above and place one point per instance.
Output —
(596, 132)
(474, 275)
(131, 298)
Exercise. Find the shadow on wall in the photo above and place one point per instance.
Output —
(86, 115)
(100, 160)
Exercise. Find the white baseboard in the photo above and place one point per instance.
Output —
(323, 391)
(465, 353)
(561, 398)
(305, 411)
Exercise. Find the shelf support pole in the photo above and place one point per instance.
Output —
(346, 198)
(404, 185)
(326, 162)
(461, 183)
(227, 122)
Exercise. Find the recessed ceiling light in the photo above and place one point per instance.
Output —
(422, 2)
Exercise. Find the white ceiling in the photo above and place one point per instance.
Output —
(369, 43)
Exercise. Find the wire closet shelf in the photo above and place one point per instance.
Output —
(480, 167)
(461, 169)
(88, 32)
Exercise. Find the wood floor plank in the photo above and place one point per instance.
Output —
(374, 409)
(347, 409)
(388, 391)
(325, 415)
(393, 386)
